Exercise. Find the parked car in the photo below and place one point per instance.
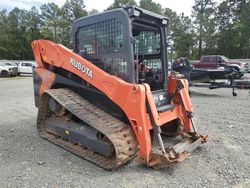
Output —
(219, 62)
(26, 67)
(248, 67)
(7, 69)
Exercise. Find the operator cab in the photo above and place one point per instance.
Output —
(128, 42)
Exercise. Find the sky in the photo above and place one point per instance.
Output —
(179, 6)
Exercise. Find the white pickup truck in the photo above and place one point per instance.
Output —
(26, 67)
(8, 69)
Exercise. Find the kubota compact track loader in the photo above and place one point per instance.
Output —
(111, 96)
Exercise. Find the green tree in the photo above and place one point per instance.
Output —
(180, 34)
(203, 13)
(70, 11)
(75, 9)
(233, 28)
(16, 28)
(151, 6)
(226, 31)
(93, 11)
(244, 30)
(65, 23)
(50, 14)
(32, 23)
(183, 42)
(4, 37)
(121, 3)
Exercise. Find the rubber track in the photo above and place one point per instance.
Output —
(119, 133)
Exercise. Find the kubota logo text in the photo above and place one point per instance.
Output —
(81, 67)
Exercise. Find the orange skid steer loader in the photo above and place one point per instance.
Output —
(111, 98)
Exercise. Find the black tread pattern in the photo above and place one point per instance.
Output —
(119, 133)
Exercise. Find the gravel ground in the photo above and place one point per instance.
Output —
(29, 161)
